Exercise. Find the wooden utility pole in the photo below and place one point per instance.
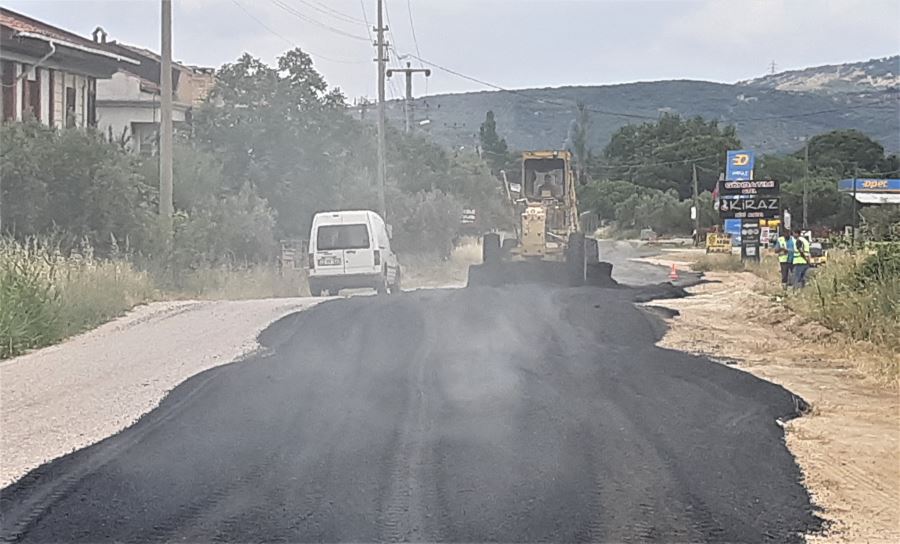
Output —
(407, 103)
(805, 182)
(696, 207)
(855, 210)
(166, 206)
(382, 61)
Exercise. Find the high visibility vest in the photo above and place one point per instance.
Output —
(782, 244)
(798, 257)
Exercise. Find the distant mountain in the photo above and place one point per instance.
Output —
(858, 77)
(768, 118)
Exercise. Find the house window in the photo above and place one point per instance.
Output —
(70, 107)
(8, 79)
(32, 101)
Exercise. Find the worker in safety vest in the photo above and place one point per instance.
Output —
(784, 248)
(801, 259)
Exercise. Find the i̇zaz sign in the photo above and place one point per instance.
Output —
(750, 208)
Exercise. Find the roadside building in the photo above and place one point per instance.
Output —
(51, 74)
(128, 104)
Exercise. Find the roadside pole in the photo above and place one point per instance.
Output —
(166, 206)
(696, 207)
(855, 212)
(805, 190)
(381, 60)
(407, 103)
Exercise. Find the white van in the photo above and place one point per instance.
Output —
(350, 250)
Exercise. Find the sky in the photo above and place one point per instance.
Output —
(509, 43)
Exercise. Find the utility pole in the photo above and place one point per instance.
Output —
(805, 182)
(166, 207)
(696, 207)
(407, 103)
(855, 212)
(382, 61)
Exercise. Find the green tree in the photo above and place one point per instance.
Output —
(493, 147)
(659, 155)
(842, 150)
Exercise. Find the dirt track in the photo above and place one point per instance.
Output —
(513, 414)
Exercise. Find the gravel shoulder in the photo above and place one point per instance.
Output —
(66, 397)
(848, 444)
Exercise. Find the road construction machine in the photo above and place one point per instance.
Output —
(548, 242)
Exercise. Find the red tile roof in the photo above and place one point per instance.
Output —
(22, 23)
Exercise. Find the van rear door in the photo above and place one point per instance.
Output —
(338, 247)
(360, 258)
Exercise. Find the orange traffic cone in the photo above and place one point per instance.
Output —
(673, 274)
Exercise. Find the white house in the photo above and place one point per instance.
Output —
(51, 74)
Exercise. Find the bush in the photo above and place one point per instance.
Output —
(859, 296)
(45, 297)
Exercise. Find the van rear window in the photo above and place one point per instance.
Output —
(332, 237)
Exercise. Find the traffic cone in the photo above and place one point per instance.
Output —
(673, 274)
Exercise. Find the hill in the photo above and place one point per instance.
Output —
(768, 119)
(857, 77)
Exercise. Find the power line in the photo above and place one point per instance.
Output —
(328, 10)
(289, 41)
(412, 28)
(308, 19)
(664, 163)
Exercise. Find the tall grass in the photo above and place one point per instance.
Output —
(241, 282)
(858, 295)
(46, 296)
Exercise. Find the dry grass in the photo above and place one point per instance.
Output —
(45, 296)
(242, 283)
(428, 270)
(868, 314)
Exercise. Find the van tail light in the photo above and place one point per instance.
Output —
(312, 261)
(377, 258)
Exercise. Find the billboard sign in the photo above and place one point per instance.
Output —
(739, 165)
(750, 208)
(870, 185)
(737, 189)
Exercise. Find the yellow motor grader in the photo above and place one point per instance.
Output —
(548, 229)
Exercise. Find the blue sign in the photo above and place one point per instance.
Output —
(740, 165)
(733, 227)
(870, 185)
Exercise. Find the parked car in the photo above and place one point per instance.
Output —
(351, 250)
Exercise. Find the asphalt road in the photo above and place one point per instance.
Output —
(486, 414)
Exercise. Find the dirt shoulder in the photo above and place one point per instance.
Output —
(66, 397)
(848, 445)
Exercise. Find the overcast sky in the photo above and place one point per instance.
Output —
(511, 43)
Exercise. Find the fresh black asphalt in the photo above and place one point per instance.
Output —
(520, 413)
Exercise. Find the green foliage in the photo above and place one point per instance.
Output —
(656, 155)
(860, 297)
(844, 150)
(882, 223)
(493, 147)
(46, 296)
(73, 181)
(632, 206)
(880, 267)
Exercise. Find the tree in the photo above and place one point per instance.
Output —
(659, 155)
(844, 150)
(493, 147)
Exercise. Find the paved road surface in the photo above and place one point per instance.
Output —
(486, 414)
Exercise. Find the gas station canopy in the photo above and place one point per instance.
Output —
(872, 191)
